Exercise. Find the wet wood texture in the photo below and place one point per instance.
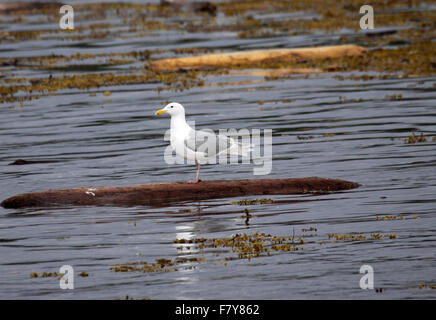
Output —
(256, 56)
(164, 193)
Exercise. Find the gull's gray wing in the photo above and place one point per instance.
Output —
(207, 142)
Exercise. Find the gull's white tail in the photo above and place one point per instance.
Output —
(240, 149)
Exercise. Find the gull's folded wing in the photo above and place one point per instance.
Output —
(207, 142)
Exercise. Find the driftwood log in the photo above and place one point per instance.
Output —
(193, 6)
(255, 56)
(38, 5)
(163, 193)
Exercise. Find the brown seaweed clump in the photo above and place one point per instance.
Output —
(239, 247)
(246, 202)
(45, 275)
(359, 237)
(415, 139)
(160, 265)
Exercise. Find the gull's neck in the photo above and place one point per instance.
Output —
(178, 121)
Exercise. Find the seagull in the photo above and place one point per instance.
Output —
(198, 145)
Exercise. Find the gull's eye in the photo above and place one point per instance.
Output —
(171, 107)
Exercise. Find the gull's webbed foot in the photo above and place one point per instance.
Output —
(193, 181)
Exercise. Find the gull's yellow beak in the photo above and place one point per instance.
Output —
(159, 112)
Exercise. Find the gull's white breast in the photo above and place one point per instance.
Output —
(178, 136)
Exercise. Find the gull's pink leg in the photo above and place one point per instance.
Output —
(197, 175)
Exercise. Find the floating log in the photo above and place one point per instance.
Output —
(16, 6)
(21, 162)
(256, 56)
(157, 194)
(193, 6)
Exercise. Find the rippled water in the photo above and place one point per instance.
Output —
(117, 141)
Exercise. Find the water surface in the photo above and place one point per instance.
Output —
(354, 133)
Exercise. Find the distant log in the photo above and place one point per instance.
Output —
(21, 162)
(256, 56)
(163, 193)
(193, 6)
(17, 6)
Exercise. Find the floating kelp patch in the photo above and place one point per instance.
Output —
(309, 137)
(393, 97)
(243, 245)
(427, 286)
(309, 229)
(246, 246)
(359, 237)
(247, 202)
(192, 252)
(32, 5)
(127, 297)
(415, 139)
(160, 265)
(400, 217)
(53, 274)
(412, 60)
(45, 275)
(386, 218)
(20, 89)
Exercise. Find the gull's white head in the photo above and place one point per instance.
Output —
(173, 109)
